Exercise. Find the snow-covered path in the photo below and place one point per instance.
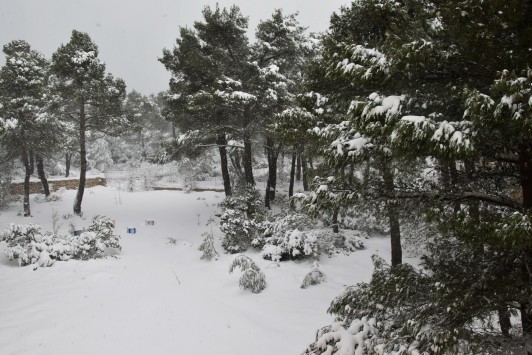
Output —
(158, 297)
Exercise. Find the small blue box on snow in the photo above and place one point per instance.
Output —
(77, 233)
(131, 230)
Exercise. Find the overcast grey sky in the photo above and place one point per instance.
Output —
(131, 34)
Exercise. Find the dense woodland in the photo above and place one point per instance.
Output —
(412, 118)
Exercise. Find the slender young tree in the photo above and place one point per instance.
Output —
(85, 96)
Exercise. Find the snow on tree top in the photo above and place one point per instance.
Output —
(81, 57)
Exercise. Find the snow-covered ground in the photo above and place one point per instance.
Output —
(157, 297)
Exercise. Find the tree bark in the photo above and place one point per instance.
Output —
(27, 175)
(334, 221)
(248, 161)
(82, 158)
(32, 162)
(504, 321)
(305, 173)
(298, 168)
(234, 157)
(68, 161)
(42, 176)
(453, 173)
(393, 216)
(174, 132)
(525, 165)
(292, 175)
(222, 142)
(271, 185)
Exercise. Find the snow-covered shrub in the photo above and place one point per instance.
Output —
(358, 338)
(207, 247)
(295, 236)
(241, 220)
(354, 240)
(252, 278)
(314, 277)
(93, 241)
(30, 245)
(286, 237)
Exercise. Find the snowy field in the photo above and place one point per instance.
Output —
(158, 297)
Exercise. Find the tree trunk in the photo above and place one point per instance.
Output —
(474, 206)
(234, 157)
(305, 173)
(453, 173)
(334, 221)
(525, 164)
(298, 168)
(42, 176)
(248, 161)
(393, 216)
(27, 175)
(504, 321)
(292, 174)
(222, 142)
(271, 184)
(68, 161)
(32, 162)
(82, 158)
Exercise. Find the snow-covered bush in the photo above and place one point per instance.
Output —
(252, 278)
(315, 277)
(354, 240)
(241, 220)
(295, 235)
(358, 338)
(98, 236)
(30, 245)
(286, 237)
(207, 247)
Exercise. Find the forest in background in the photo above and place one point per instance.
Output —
(412, 118)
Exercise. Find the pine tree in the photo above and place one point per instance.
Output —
(25, 126)
(282, 50)
(459, 72)
(85, 96)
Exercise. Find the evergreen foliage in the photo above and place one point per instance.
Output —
(207, 247)
(26, 128)
(84, 97)
(241, 220)
(252, 278)
(315, 277)
(30, 246)
(427, 113)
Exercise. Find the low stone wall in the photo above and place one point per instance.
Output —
(70, 184)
